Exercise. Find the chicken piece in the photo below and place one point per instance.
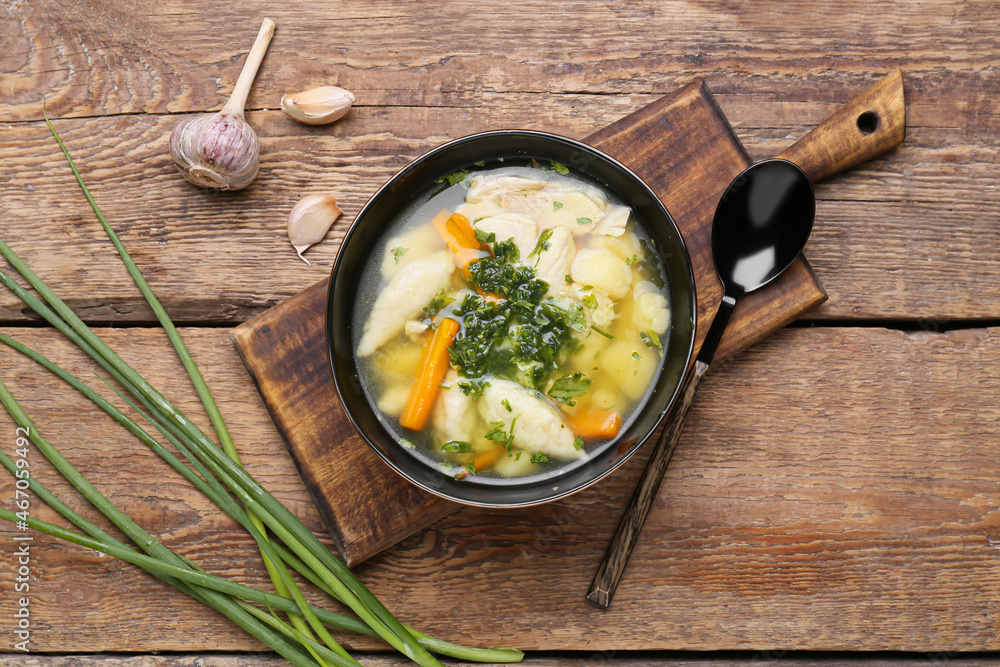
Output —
(403, 249)
(404, 298)
(554, 262)
(485, 208)
(650, 308)
(538, 426)
(506, 226)
(454, 416)
(574, 208)
(602, 269)
(613, 222)
(500, 187)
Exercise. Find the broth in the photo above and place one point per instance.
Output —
(557, 305)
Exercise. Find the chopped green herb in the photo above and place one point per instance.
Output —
(587, 287)
(473, 388)
(439, 301)
(635, 355)
(543, 243)
(578, 442)
(584, 221)
(453, 179)
(569, 278)
(457, 447)
(446, 468)
(560, 168)
(651, 340)
(406, 444)
(471, 467)
(590, 301)
(483, 237)
(398, 252)
(506, 404)
(568, 387)
(444, 385)
(481, 163)
(556, 205)
(602, 332)
(538, 457)
(497, 433)
(518, 457)
(633, 259)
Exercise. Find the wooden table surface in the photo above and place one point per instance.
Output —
(838, 485)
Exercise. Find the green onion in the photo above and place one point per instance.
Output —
(218, 475)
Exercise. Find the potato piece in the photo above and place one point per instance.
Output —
(602, 269)
(651, 310)
(402, 358)
(393, 400)
(631, 374)
(513, 466)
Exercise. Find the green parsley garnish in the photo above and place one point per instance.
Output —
(602, 332)
(506, 404)
(439, 301)
(635, 355)
(568, 387)
(398, 252)
(651, 340)
(406, 444)
(481, 163)
(483, 237)
(497, 433)
(456, 178)
(518, 457)
(633, 259)
(538, 457)
(457, 447)
(560, 168)
(584, 221)
(543, 243)
(473, 388)
(471, 467)
(590, 301)
(578, 442)
(569, 278)
(556, 205)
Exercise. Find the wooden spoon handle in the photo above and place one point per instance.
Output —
(602, 589)
(869, 125)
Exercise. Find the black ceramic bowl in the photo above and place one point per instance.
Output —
(415, 180)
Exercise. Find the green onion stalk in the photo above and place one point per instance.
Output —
(218, 474)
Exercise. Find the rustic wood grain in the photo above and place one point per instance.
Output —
(127, 72)
(835, 489)
(284, 348)
(589, 658)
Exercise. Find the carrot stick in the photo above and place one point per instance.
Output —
(460, 237)
(595, 423)
(425, 387)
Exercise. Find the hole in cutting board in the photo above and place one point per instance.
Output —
(868, 122)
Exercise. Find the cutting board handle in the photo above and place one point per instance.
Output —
(869, 125)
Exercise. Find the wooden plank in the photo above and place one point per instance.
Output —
(878, 246)
(610, 658)
(131, 59)
(835, 489)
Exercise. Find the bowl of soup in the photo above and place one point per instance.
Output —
(509, 318)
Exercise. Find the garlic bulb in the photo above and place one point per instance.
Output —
(310, 220)
(319, 105)
(221, 150)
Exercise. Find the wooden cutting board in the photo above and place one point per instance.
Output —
(684, 149)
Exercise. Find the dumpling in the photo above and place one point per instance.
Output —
(538, 426)
(410, 290)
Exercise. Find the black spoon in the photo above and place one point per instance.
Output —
(761, 225)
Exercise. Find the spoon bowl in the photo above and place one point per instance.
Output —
(761, 224)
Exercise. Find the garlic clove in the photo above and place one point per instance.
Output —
(219, 151)
(319, 105)
(310, 220)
